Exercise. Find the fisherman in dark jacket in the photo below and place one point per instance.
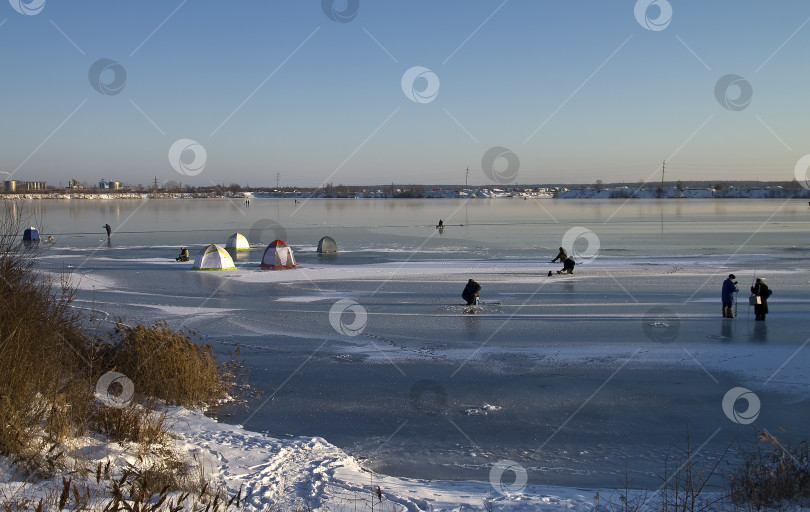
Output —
(183, 255)
(727, 296)
(761, 290)
(568, 266)
(470, 293)
(562, 256)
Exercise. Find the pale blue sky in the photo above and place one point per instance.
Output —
(579, 91)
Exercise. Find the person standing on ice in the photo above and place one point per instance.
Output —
(109, 229)
(470, 293)
(727, 296)
(568, 266)
(761, 290)
(562, 256)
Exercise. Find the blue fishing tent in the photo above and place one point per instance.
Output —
(31, 235)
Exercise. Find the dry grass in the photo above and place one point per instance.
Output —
(43, 382)
(132, 423)
(166, 485)
(166, 364)
(772, 476)
(49, 368)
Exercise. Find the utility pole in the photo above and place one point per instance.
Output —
(663, 168)
(466, 176)
(156, 187)
(278, 176)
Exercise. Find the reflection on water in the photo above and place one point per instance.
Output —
(759, 332)
(727, 331)
(471, 323)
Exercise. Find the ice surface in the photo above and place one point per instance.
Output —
(593, 375)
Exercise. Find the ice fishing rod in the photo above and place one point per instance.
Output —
(754, 280)
(736, 300)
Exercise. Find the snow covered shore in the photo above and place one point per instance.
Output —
(274, 474)
(303, 472)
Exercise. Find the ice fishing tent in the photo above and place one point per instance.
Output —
(213, 257)
(278, 255)
(237, 242)
(327, 245)
(31, 235)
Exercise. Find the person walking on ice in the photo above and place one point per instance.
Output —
(727, 296)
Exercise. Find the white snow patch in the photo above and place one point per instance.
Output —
(92, 281)
(288, 474)
(301, 298)
(482, 410)
(190, 310)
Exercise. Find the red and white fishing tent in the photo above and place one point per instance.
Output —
(278, 255)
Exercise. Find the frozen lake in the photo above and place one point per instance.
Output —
(579, 379)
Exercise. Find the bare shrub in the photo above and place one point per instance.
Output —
(772, 475)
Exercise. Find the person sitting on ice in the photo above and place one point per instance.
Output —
(568, 266)
(470, 293)
(562, 256)
(183, 255)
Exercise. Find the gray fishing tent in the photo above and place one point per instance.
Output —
(327, 245)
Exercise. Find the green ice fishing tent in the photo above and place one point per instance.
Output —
(237, 242)
(213, 257)
(327, 245)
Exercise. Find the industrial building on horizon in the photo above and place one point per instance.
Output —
(13, 186)
(17, 186)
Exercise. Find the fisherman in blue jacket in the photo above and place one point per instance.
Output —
(729, 288)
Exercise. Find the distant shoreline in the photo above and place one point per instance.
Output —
(562, 192)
